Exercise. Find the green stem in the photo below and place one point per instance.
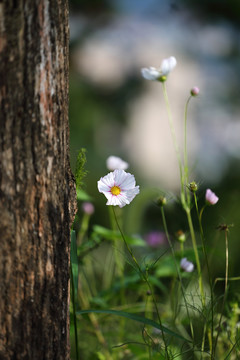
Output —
(207, 263)
(194, 244)
(185, 149)
(225, 292)
(83, 229)
(182, 248)
(177, 269)
(117, 249)
(119, 270)
(174, 143)
(74, 314)
(144, 278)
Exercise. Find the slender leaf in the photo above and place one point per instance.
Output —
(134, 317)
(74, 260)
(113, 235)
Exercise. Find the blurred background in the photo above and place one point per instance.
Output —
(114, 111)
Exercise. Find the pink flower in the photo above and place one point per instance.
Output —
(195, 91)
(156, 238)
(88, 208)
(210, 197)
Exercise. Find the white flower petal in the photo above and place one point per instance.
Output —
(108, 195)
(165, 67)
(119, 177)
(189, 267)
(115, 162)
(168, 65)
(108, 180)
(113, 200)
(172, 62)
(123, 200)
(126, 183)
(186, 265)
(102, 187)
(150, 73)
(132, 193)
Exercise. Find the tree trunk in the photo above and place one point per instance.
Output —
(37, 191)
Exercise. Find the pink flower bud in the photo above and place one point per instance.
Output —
(156, 238)
(88, 208)
(210, 197)
(195, 91)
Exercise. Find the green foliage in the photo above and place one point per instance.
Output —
(74, 261)
(80, 171)
(111, 235)
(137, 318)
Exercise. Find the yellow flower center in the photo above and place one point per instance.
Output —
(115, 190)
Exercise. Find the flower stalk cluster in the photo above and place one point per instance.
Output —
(119, 187)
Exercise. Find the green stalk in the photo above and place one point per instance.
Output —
(83, 229)
(175, 143)
(144, 278)
(185, 149)
(74, 314)
(84, 299)
(207, 263)
(194, 244)
(225, 290)
(178, 272)
(119, 270)
(118, 260)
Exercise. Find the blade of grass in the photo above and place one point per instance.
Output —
(134, 317)
(74, 261)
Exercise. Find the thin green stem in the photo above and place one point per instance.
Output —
(174, 142)
(119, 269)
(74, 314)
(144, 278)
(225, 291)
(194, 244)
(185, 149)
(83, 229)
(117, 249)
(177, 268)
(207, 264)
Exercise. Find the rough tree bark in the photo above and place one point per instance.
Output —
(37, 193)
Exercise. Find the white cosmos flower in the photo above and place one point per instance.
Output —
(161, 73)
(119, 188)
(115, 162)
(186, 265)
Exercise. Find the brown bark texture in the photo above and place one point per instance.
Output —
(37, 192)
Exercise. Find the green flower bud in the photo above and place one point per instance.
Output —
(162, 78)
(193, 187)
(181, 236)
(161, 201)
